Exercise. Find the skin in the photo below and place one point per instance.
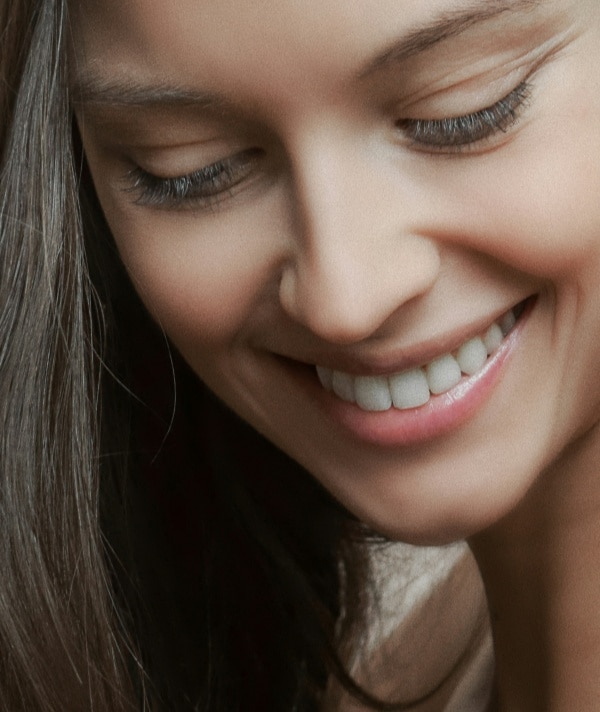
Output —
(346, 244)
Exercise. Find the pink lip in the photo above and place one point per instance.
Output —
(441, 415)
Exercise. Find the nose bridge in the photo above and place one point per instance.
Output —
(356, 258)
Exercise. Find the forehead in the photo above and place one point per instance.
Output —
(280, 55)
(205, 36)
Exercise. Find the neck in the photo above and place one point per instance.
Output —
(541, 570)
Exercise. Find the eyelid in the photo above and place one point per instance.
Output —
(462, 132)
(201, 188)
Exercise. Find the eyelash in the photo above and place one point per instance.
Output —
(204, 187)
(461, 132)
(208, 185)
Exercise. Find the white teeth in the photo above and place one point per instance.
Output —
(409, 389)
(326, 377)
(471, 356)
(443, 374)
(493, 338)
(507, 322)
(343, 386)
(372, 393)
(413, 388)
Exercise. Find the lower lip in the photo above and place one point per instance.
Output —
(441, 415)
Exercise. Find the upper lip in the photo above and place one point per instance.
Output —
(401, 358)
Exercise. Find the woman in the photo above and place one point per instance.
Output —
(372, 232)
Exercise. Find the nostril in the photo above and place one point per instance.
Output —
(346, 296)
(288, 292)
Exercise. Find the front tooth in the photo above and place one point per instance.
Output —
(493, 338)
(343, 386)
(507, 322)
(409, 389)
(326, 377)
(471, 356)
(372, 393)
(443, 374)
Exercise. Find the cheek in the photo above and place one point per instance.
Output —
(540, 216)
(193, 296)
(549, 222)
(201, 277)
(535, 204)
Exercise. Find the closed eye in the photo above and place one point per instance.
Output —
(461, 132)
(201, 188)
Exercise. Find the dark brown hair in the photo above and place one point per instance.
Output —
(57, 623)
(147, 563)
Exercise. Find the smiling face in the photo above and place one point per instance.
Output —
(365, 187)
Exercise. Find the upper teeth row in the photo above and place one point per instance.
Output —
(413, 388)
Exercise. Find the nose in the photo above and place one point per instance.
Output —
(356, 256)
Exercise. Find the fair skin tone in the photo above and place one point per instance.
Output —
(350, 227)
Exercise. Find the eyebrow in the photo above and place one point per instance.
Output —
(449, 24)
(90, 88)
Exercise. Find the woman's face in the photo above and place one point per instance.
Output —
(368, 188)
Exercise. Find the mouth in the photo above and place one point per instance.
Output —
(413, 388)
